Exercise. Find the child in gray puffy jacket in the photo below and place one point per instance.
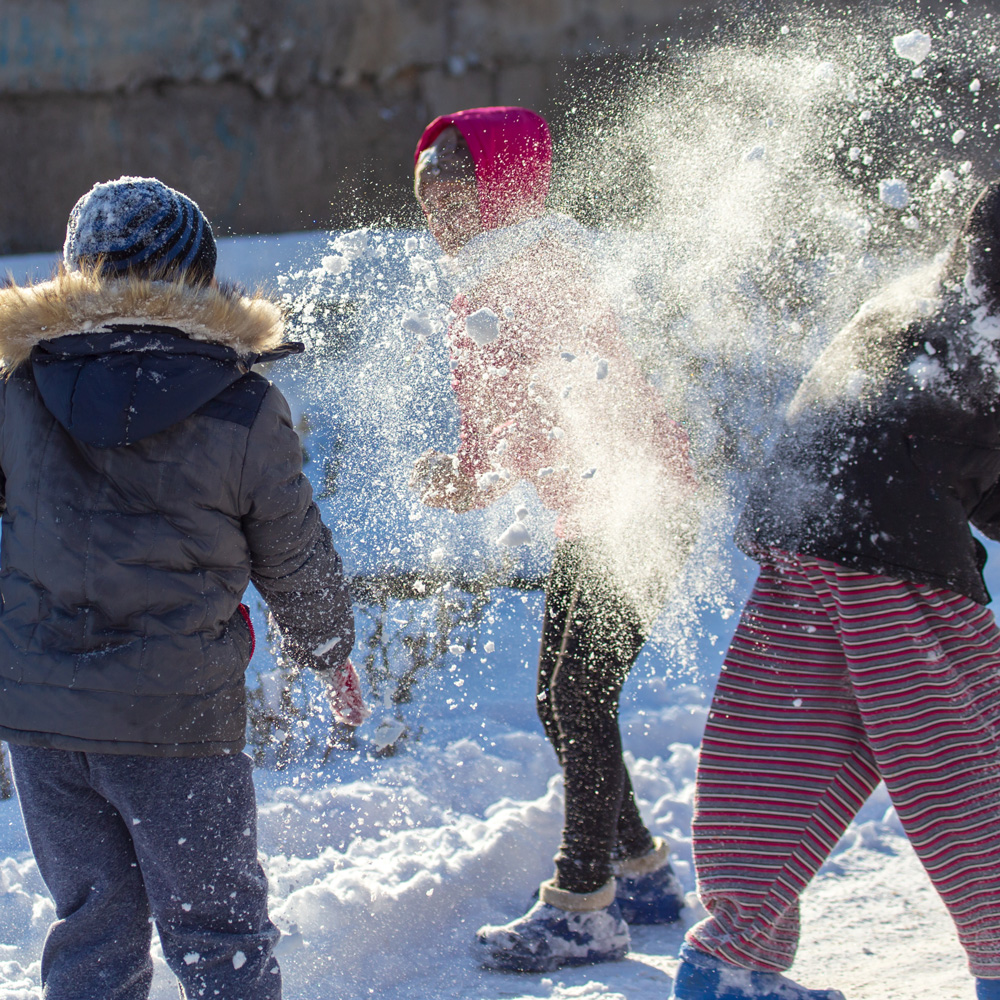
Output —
(147, 476)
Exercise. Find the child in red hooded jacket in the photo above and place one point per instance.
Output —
(549, 393)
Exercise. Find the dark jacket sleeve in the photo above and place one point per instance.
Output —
(986, 516)
(293, 563)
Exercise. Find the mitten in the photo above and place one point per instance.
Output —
(343, 691)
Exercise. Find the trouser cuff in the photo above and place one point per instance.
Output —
(645, 863)
(577, 902)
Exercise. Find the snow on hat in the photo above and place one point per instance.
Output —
(138, 224)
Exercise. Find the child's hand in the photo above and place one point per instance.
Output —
(440, 483)
(343, 691)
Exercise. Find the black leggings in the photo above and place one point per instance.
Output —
(591, 636)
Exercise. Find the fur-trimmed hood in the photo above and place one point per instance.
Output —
(116, 360)
(74, 302)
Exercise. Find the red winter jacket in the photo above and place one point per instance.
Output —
(547, 388)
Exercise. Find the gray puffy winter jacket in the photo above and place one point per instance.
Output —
(147, 477)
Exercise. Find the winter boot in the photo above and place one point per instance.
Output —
(987, 989)
(562, 928)
(648, 890)
(701, 976)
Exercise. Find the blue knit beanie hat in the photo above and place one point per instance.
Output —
(138, 225)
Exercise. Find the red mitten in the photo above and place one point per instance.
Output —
(343, 690)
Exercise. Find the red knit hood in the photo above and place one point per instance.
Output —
(512, 152)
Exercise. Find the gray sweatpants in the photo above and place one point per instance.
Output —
(124, 840)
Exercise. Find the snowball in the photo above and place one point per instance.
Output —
(557, 433)
(854, 153)
(589, 474)
(192, 958)
(516, 534)
(239, 960)
(521, 512)
(387, 732)
(489, 646)
(353, 244)
(957, 136)
(567, 355)
(914, 46)
(483, 326)
(335, 264)
(945, 181)
(455, 649)
(974, 86)
(508, 312)
(411, 244)
(547, 471)
(418, 323)
(894, 192)
(602, 369)
(323, 648)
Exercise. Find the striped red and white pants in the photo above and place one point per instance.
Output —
(834, 680)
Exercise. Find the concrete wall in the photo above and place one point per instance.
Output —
(274, 116)
(293, 114)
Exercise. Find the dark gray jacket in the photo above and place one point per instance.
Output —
(891, 449)
(147, 477)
